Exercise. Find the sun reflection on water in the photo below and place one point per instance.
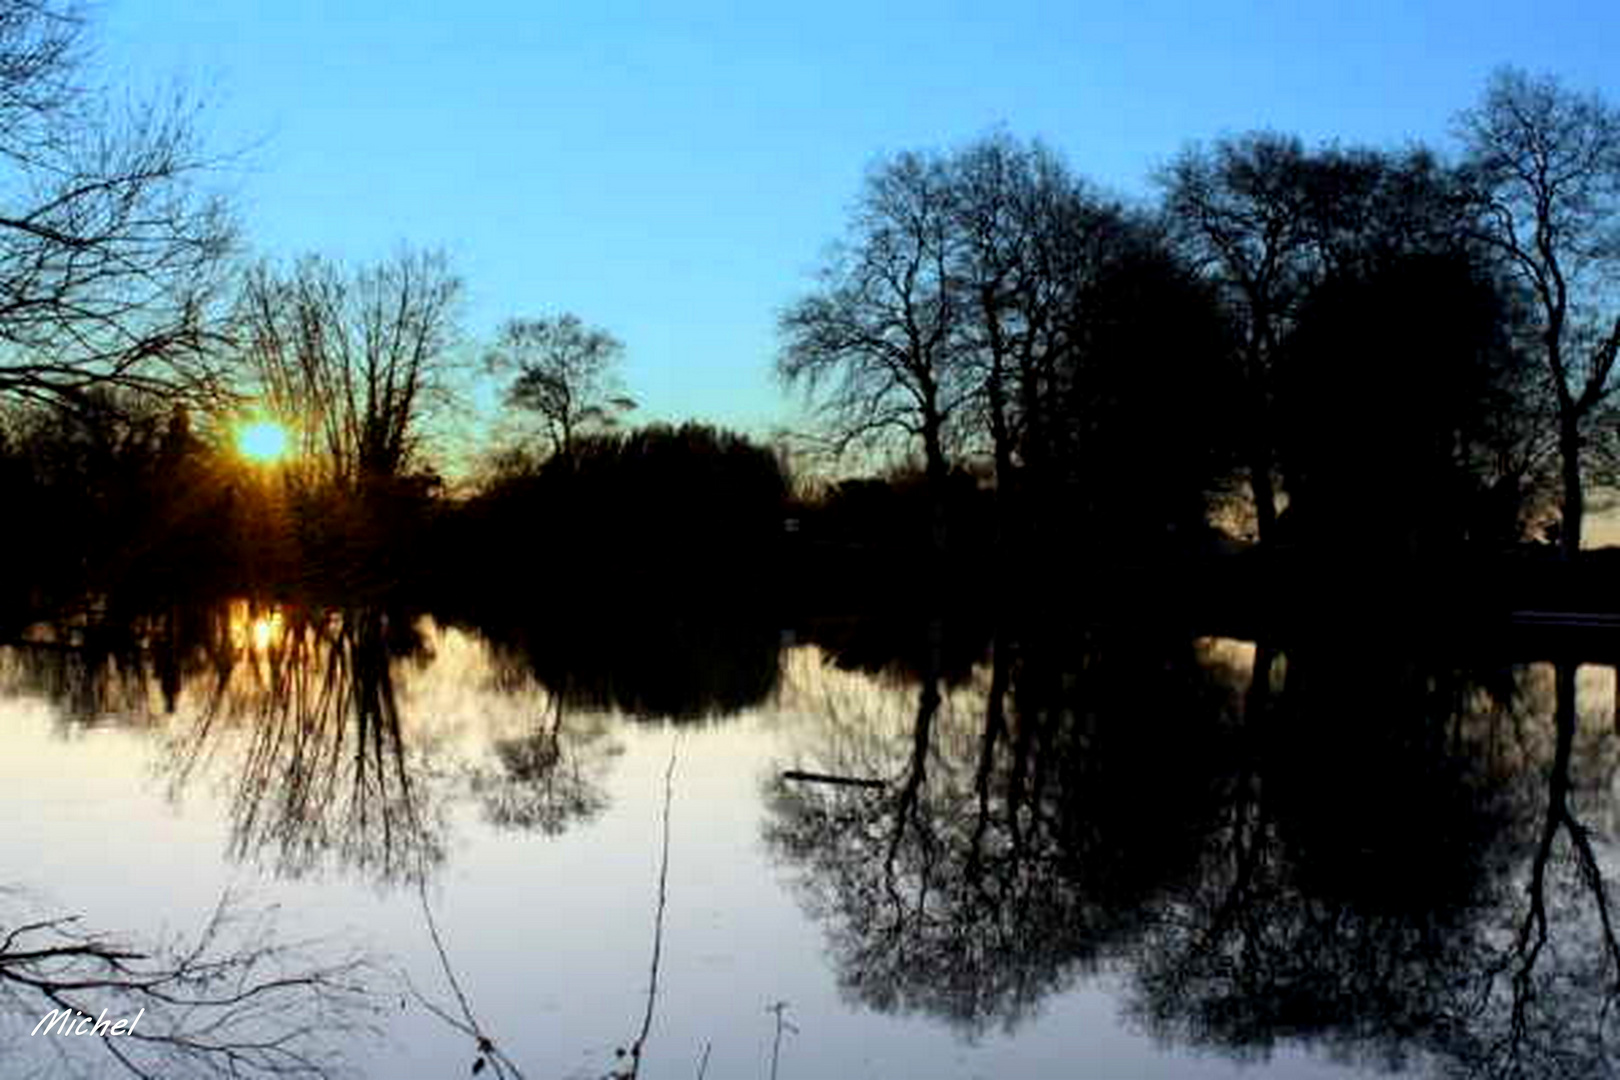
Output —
(256, 629)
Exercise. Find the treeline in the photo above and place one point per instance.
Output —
(125, 501)
(1342, 350)
(143, 499)
(1368, 355)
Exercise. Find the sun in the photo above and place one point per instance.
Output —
(263, 441)
(266, 629)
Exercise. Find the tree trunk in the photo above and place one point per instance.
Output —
(1574, 509)
(905, 803)
(1006, 496)
(1265, 499)
(934, 454)
(1000, 435)
(1256, 374)
(995, 728)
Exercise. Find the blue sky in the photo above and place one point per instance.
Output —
(672, 172)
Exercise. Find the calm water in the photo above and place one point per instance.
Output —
(1105, 855)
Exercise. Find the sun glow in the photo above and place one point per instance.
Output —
(256, 629)
(263, 441)
(266, 630)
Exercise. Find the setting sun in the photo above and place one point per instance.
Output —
(262, 441)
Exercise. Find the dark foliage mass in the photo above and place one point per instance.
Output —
(1432, 477)
(1347, 333)
(691, 511)
(119, 495)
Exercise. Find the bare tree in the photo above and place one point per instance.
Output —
(1242, 212)
(234, 1002)
(353, 360)
(876, 345)
(992, 198)
(564, 373)
(1027, 242)
(1068, 301)
(109, 246)
(976, 289)
(1546, 162)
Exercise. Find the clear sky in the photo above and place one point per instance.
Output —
(672, 172)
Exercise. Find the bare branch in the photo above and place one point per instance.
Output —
(234, 1002)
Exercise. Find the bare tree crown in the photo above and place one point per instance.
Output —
(562, 371)
(110, 247)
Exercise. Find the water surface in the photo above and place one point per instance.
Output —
(1105, 854)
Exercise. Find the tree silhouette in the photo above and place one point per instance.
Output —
(350, 361)
(563, 371)
(1449, 457)
(1301, 247)
(354, 363)
(1241, 212)
(1546, 162)
(1026, 235)
(1081, 331)
(110, 250)
(875, 344)
(657, 512)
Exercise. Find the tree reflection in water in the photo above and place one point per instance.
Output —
(658, 665)
(296, 712)
(236, 1001)
(993, 869)
(1390, 855)
(97, 664)
(1383, 854)
(305, 705)
(1363, 840)
(550, 776)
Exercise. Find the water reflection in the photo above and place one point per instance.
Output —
(662, 665)
(1412, 881)
(1021, 835)
(1361, 841)
(1395, 855)
(305, 707)
(1390, 856)
(236, 1000)
(97, 665)
(548, 775)
(296, 713)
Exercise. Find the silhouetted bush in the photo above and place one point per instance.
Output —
(117, 496)
(660, 508)
(1401, 396)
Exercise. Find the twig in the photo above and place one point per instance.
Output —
(488, 1054)
(658, 919)
(825, 778)
(782, 1023)
(235, 1001)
